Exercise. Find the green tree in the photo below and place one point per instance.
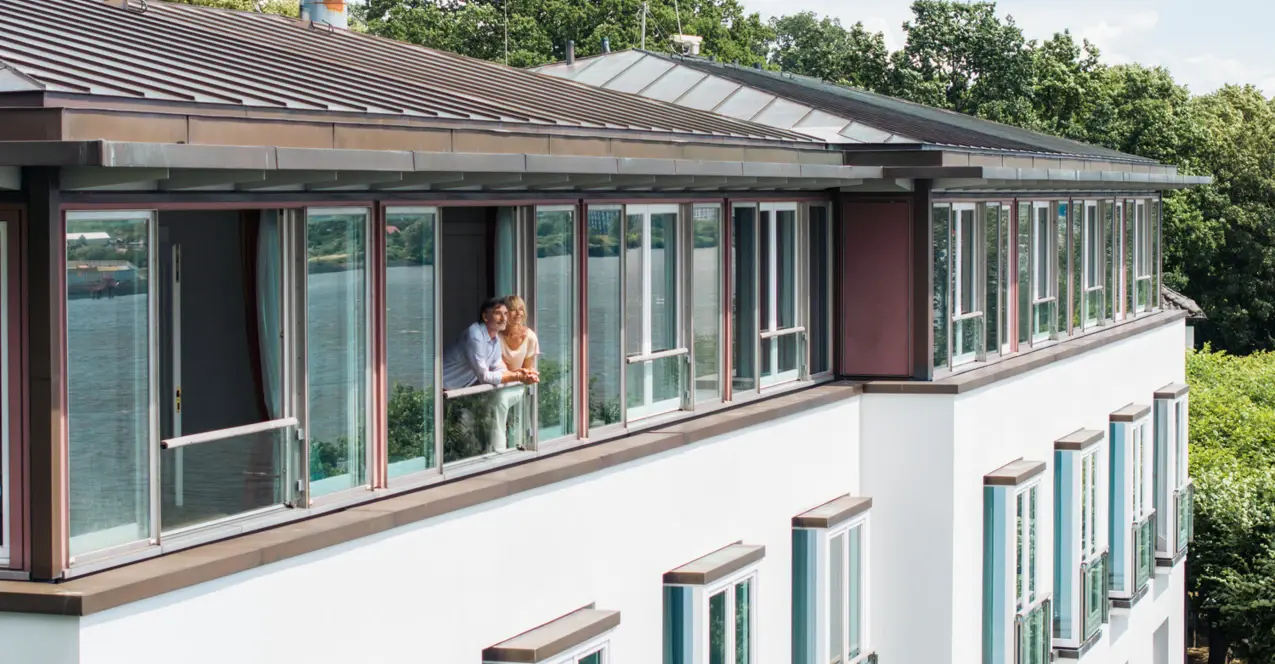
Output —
(281, 7)
(1231, 569)
(823, 48)
(538, 30)
(965, 58)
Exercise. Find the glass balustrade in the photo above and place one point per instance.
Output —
(1035, 633)
(484, 421)
(1184, 499)
(1143, 551)
(1093, 577)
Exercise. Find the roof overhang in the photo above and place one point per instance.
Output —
(978, 179)
(110, 165)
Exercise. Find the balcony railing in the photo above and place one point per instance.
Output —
(1184, 505)
(1143, 551)
(1094, 604)
(1034, 634)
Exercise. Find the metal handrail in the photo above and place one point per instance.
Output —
(973, 314)
(772, 334)
(479, 389)
(223, 434)
(658, 355)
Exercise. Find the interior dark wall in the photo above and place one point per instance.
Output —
(218, 383)
(465, 255)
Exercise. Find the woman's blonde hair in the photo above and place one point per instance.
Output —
(513, 302)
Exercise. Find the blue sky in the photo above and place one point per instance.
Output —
(1204, 43)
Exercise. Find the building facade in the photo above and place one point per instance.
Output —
(799, 395)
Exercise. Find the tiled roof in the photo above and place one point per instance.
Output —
(1171, 299)
(800, 103)
(197, 55)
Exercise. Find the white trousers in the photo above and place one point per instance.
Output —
(505, 400)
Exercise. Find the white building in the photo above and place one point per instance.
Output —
(909, 396)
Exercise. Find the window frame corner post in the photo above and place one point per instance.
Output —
(377, 264)
(47, 486)
(922, 333)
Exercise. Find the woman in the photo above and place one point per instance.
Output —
(518, 343)
(518, 348)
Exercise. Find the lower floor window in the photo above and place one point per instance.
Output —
(709, 608)
(830, 583)
(1017, 613)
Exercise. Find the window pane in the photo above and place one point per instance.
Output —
(555, 320)
(856, 592)
(744, 300)
(820, 275)
(1043, 258)
(1108, 216)
(786, 268)
(409, 338)
(992, 246)
(836, 597)
(486, 423)
(1091, 246)
(1062, 269)
(717, 628)
(706, 302)
(594, 658)
(1024, 272)
(1018, 557)
(942, 309)
(744, 622)
(968, 249)
(1007, 274)
(226, 477)
(4, 391)
(337, 348)
(604, 315)
(651, 317)
(108, 271)
(1085, 478)
(1032, 515)
(767, 267)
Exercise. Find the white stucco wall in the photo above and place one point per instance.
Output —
(923, 463)
(443, 589)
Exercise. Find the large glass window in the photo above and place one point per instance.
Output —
(745, 302)
(111, 377)
(555, 319)
(967, 284)
(781, 335)
(820, 275)
(717, 618)
(941, 223)
(410, 331)
(225, 429)
(337, 349)
(1044, 272)
(653, 350)
(990, 215)
(1024, 268)
(706, 302)
(1017, 612)
(1109, 216)
(605, 229)
(1092, 266)
(1131, 529)
(1145, 259)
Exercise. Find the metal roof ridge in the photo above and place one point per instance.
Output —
(13, 79)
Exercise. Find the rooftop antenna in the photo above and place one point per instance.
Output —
(506, 4)
(643, 12)
(678, 14)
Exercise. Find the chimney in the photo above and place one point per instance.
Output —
(571, 51)
(606, 44)
(331, 12)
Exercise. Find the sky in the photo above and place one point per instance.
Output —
(1204, 43)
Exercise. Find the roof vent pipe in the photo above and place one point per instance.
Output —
(571, 51)
(331, 12)
(606, 44)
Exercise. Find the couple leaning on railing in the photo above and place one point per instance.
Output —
(496, 351)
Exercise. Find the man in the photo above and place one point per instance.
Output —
(474, 359)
